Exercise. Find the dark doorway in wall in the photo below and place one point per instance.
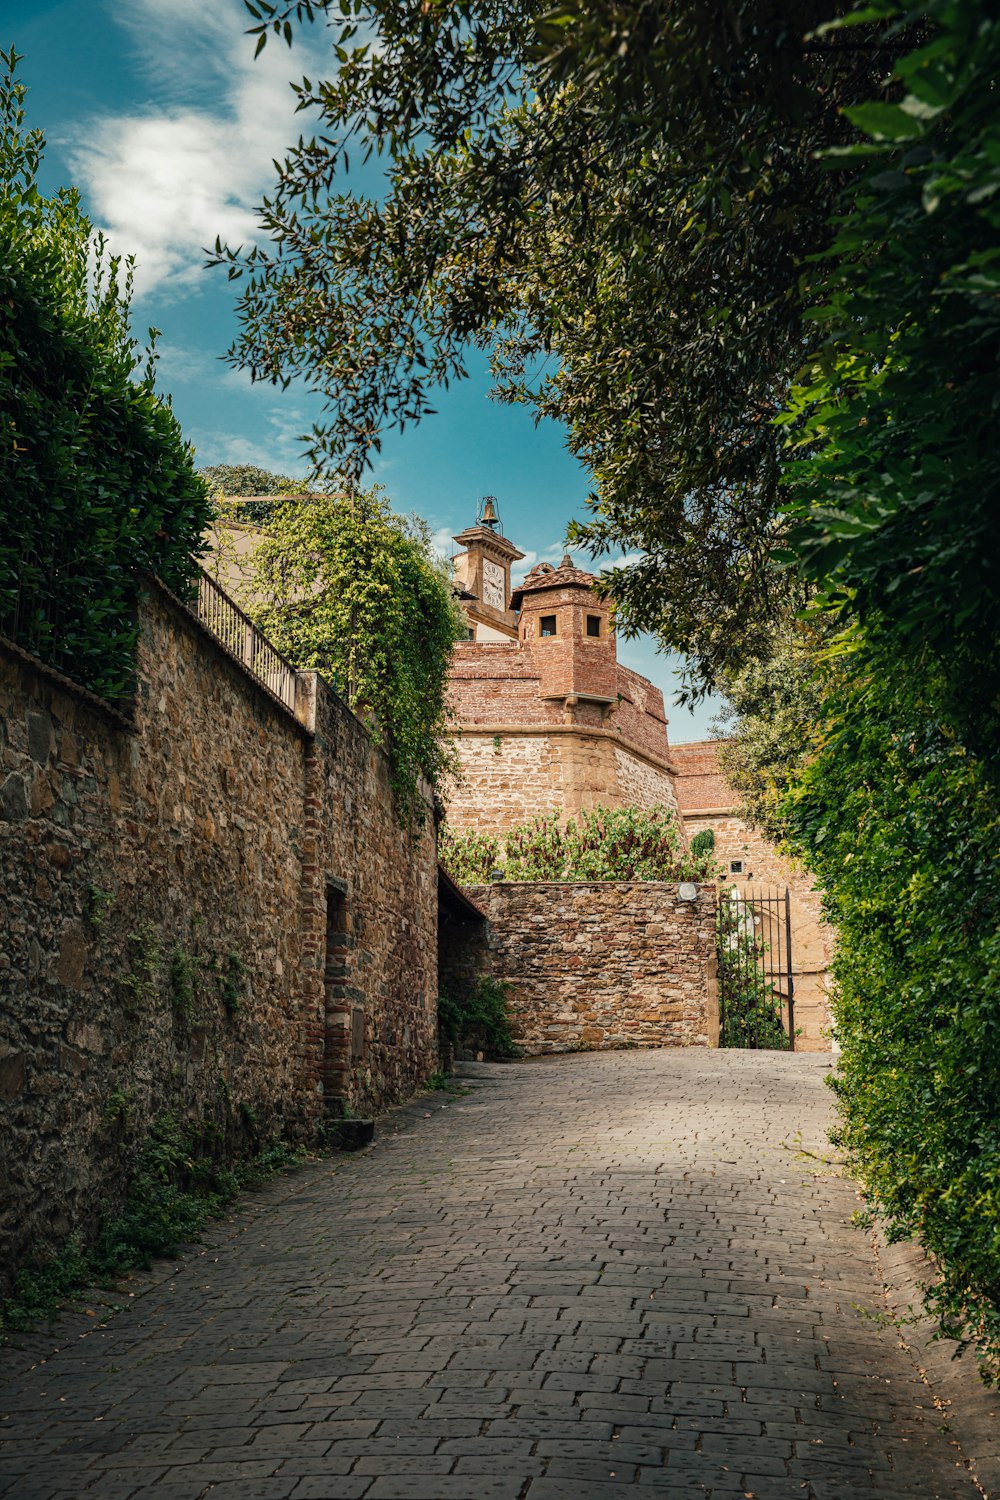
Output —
(337, 1018)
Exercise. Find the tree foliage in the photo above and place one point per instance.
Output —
(893, 482)
(773, 704)
(228, 480)
(96, 481)
(343, 585)
(615, 201)
(605, 843)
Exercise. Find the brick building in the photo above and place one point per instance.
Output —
(548, 716)
(548, 719)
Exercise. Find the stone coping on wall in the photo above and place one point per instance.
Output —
(581, 731)
(101, 706)
(702, 885)
(709, 812)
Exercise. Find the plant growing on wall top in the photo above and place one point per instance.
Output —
(96, 480)
(619, 843)
(342, 584)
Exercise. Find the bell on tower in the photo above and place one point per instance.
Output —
(488, 513)
(482, 574)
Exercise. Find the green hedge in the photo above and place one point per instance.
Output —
(901, 825)
(96, 481)
(607, 843)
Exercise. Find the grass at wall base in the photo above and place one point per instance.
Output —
(177, 1188)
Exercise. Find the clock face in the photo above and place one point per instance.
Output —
(493, 585)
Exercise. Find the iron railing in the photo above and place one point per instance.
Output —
(225, 620)
(756, 984)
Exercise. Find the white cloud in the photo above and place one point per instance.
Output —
(274, 445)
(164, 179)
(442, 541)
(553, 554)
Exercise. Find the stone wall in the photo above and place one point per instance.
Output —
(512, 773)
(604, 964)
(168, 882)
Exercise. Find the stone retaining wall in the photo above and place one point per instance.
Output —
(169, 884)
(603, 964)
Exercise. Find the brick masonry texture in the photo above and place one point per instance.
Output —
(554, 723)
(603, 964)
(591, 1278)
(165, 888)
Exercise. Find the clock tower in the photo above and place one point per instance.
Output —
(482, 575)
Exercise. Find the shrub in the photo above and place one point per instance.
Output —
(478, 1021)
(702, 844)
(96, 481)
(900, 822)
(469, 857)
(621, 843)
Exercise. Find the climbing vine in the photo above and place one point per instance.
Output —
(342, 584)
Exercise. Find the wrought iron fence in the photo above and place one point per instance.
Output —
(756, 985)
(240, 636)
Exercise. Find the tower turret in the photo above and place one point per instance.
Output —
(566, 624)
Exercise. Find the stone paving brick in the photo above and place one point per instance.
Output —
(599, 1275)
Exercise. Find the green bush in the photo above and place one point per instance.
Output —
(96, 481)
(702, 844)
(620, 843)
(478, 1020)
(900, 823)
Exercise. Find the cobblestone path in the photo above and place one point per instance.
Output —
(607, 1276)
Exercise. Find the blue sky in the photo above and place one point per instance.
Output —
(158, 113)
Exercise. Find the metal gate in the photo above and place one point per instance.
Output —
(756, 988)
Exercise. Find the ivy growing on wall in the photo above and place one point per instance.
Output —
(96, 481)
(343, 585)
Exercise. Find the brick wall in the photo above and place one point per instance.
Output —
(700, 783)
(640, 718)
(165, 888)
(604, 964)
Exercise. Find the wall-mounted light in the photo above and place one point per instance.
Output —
(687, 892)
